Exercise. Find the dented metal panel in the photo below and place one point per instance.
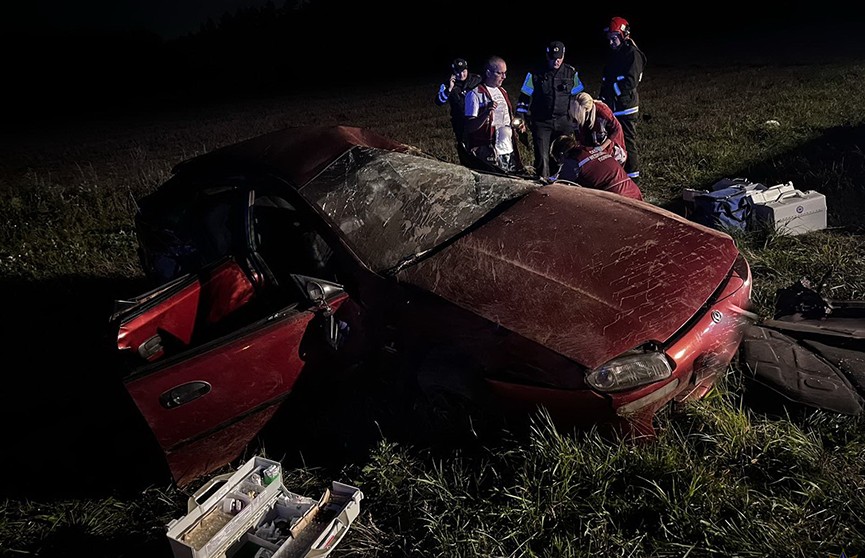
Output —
(586, 273)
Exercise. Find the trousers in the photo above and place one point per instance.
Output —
(543, 134)
(632, 146)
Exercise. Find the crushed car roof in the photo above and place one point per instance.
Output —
(295, 154)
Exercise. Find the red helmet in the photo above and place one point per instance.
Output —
(619, 25)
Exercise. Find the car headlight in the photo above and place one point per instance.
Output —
(629, 371)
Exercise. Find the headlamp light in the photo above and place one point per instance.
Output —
(629, 371)
(517, 122)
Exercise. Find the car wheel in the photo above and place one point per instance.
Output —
(453, 404)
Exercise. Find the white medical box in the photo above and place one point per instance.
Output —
(771, 194)
(252, 515)
(790, 210)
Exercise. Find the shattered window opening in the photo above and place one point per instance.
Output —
(392, 206)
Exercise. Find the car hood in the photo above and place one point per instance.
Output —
(584, 272)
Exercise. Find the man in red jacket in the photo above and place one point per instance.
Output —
(592, 168)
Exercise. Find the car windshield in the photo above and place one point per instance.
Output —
(393, 206)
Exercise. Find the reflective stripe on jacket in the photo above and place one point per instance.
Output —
(545, 94)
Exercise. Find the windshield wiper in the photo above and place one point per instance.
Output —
(411, 259)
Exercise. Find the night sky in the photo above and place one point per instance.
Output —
(95, 51)
(443, 19)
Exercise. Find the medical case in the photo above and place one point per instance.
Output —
(790, 210)
(251, 514)
(725, 188)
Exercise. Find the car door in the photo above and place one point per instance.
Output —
(206, 404)
(236, 333)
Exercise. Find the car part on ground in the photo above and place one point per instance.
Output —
(812, 354)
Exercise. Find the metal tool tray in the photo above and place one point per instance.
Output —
(252, 515)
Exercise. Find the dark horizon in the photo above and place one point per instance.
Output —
(271, 50)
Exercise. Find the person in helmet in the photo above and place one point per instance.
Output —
(454, 92)
(544, 99)
(591, 168)
(619, 81)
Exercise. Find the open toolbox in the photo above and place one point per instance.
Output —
(252, 515)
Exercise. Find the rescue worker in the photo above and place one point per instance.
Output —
(596, 127)
(454, 93)
(592, 168)
(544, 99)
(619, 80)
(489, 120)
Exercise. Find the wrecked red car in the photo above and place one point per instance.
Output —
(336, 240)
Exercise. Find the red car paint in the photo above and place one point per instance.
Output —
(532, 286)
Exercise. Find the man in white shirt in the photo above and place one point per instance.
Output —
(489, 120)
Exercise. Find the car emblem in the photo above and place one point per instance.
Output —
(716, 316)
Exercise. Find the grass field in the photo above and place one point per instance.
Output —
(726, 477)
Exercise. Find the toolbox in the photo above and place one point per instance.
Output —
(251, 514)
(790, 210)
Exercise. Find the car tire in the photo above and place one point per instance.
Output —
(452, 403)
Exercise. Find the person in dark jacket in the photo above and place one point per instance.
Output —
(454, 93)
(592, 168)
(621, 76)
(544, 100)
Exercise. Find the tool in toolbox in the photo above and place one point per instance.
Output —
(250, 514)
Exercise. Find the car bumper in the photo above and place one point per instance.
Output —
(699, 355)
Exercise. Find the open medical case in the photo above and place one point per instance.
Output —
(253, 515)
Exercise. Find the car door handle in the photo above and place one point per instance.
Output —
(183, 394)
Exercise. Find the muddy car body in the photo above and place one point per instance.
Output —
(330, 242)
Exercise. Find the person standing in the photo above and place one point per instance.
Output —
(622, 74)
(596, 127)
(454, 93)
(544, 99)
(489, 120)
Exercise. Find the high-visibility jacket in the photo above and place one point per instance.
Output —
(546, 92)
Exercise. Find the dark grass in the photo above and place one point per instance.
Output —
(737, 474)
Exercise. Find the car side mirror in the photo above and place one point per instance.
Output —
(318, 292)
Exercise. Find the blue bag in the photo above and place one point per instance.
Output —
(727, 208)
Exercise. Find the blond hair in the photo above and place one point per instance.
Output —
(582, 110)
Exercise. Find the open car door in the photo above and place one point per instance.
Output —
(205, 402)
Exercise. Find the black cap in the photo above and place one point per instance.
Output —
(459, 65)
(556, 49)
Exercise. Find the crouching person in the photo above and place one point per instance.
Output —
(590, 168)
